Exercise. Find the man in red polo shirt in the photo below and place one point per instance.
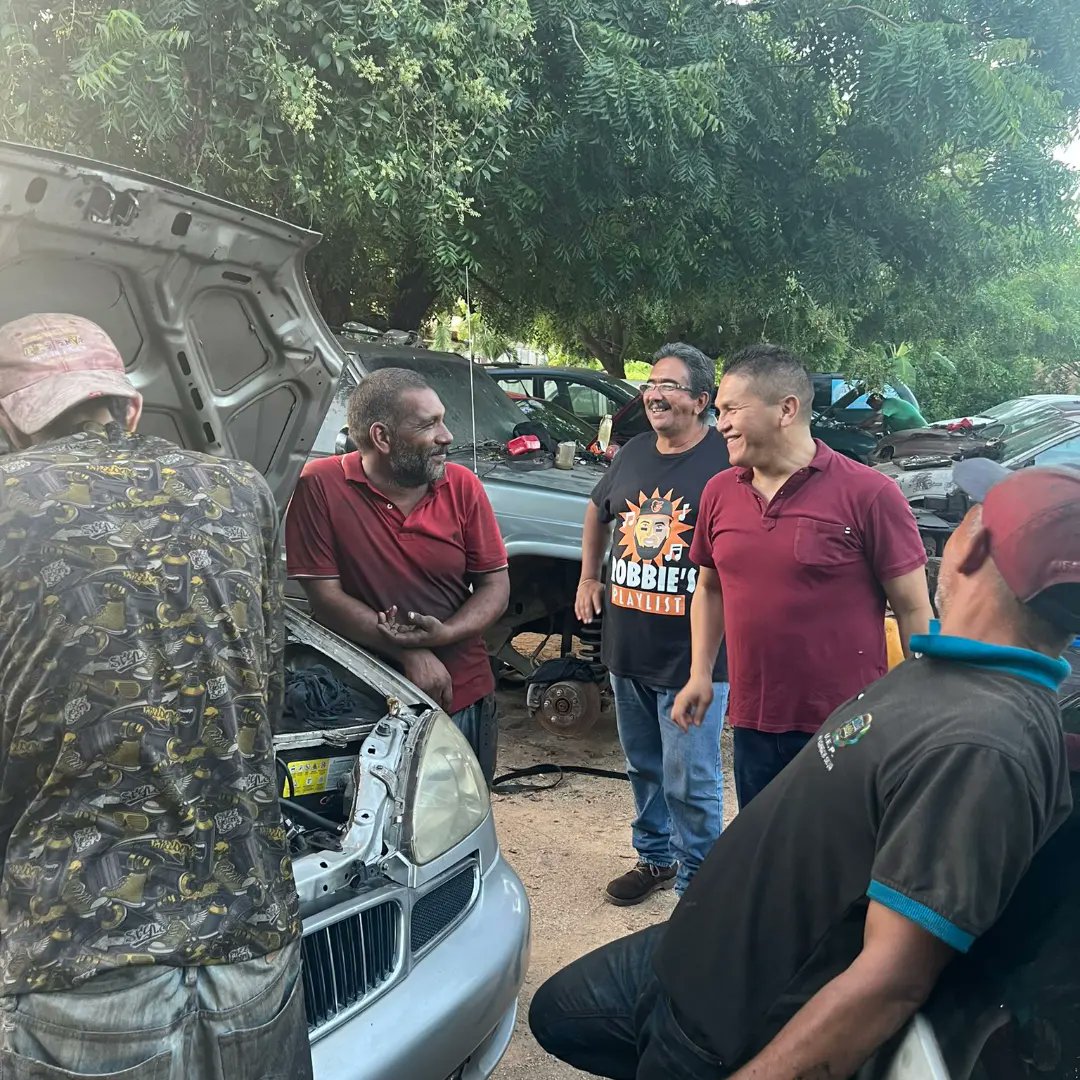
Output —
(799, 548)
(398, 549)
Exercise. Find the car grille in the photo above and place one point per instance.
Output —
(350, 959)
(433, 913)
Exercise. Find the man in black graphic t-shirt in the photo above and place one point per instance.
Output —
(651, 492)
(823, 917)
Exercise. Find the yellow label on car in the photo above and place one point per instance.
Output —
(318, 775)
(308, 777)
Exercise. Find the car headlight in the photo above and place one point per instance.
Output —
(448, 795)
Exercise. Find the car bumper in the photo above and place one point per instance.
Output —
(454, 1011)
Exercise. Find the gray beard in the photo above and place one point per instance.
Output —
(412, 468)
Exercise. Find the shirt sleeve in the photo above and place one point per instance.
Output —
(955, 838)
(309, 538)
(601, 494)
(274, 604)
(701, 545)
(484, 548)
(891, 535)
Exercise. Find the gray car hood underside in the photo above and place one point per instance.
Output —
(207, 302)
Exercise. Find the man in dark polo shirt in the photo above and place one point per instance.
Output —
(799, 549)
(398, 550)
(825, 913)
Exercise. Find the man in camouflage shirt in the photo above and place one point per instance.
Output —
(148, 917)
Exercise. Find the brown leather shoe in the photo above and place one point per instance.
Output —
(633, 886)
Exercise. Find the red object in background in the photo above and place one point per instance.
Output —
(523, 444)
(961, 425)
(608, 454)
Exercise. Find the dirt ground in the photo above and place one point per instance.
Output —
(566, 844)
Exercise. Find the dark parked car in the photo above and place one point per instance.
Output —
(589, 395)
(584, 391)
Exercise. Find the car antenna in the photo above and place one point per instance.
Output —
(472, 390)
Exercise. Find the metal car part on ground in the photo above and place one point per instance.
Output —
(404, 894)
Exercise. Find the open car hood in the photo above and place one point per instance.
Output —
(207, 302)
(927, 448)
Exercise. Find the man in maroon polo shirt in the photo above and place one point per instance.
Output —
(398, 550)
(799, 548)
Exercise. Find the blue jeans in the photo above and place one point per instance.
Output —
(479, 723)
(607, 1014)
(242, 1021)
(759, 757)
(676, 776)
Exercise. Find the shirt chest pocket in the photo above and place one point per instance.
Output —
(825, 543)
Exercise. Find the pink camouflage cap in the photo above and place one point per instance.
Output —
(50, 363)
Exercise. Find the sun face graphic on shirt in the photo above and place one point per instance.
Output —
(653, 527)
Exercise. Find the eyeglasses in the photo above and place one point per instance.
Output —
(665, 387)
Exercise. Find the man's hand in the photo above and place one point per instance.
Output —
(427, 671)
(413, 630)
(692, 702)
(589, 601)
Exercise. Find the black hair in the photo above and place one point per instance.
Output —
(377, 400)
(776, 372)
(699, 367)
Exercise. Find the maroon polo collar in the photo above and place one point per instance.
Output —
(823, 457)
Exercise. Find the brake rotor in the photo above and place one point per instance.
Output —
(570, 709)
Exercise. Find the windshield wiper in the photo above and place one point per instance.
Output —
(482, 444)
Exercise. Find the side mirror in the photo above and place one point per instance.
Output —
(343, 444)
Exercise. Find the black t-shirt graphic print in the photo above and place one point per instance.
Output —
(653, 499)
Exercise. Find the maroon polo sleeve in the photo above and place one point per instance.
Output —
(484, 548)
(309, 537)
(891, 536)
(701, 545)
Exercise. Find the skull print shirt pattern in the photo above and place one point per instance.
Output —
(141, 667)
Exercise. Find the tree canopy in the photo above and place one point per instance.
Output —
(611, 172)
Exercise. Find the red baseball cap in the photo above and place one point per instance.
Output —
(1032, 517)
(50, 363)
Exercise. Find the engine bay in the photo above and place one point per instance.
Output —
(329, 714)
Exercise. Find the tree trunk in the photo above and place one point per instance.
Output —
(609, 345)
(415, 295)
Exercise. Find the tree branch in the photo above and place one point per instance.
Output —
(869, 11)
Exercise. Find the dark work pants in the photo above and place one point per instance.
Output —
(607, 1014)
(759, 757)
(479, 723)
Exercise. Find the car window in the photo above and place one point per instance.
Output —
(515, 386)
(560, 424)
(1066, 453)
(336, 417)
(841, 386)
(1030, 433)
(587, 403)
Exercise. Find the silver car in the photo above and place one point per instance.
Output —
(416, 931)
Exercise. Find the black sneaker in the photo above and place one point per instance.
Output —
(640, 882)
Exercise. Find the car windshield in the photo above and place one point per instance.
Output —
(496, 416)
(1006, 407)
(1029, 433)
(561, 425)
